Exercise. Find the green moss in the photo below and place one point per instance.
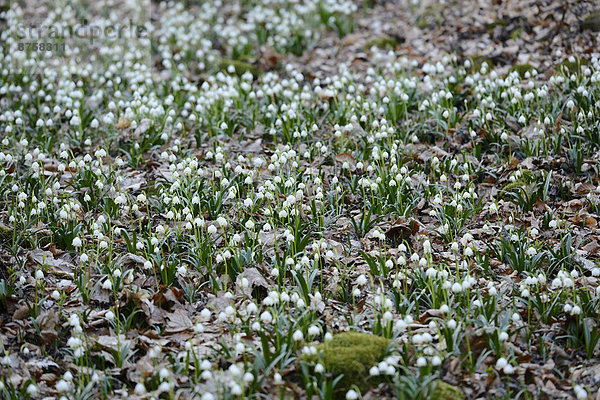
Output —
(521, 69)
(573, 67)
(591, 22)
(516, 33)
(350, 354)
(384, 42)
(525, 179)
(445, 391)
(478, 60)
(241, 67)
(5, 233)
(499, 22)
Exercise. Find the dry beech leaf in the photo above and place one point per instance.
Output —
(21, 313)
(123, 123)
(346, 158)
(255, 280)
(592, 247)
(178, 321)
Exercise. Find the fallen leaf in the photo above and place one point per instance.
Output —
(47, 321)
(255, 280)
(346, 158)
(592, 247)
(123, 123)
(46, 258)
(178, 321)
(20, 313)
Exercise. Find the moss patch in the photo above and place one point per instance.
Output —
(522, 69)
(350, 354)
(241, 67)
(478, 60)
(445, 391)
(591, 22)
(6, 233)
(573, 67)
(526, 182)
(499, 22)
(525, 179)
(384, 42)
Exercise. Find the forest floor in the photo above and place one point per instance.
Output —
(206, 208)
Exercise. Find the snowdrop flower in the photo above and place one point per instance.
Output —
(32, 389)
(451, 324)
(277, 378)
(457, 287)
(501, 363)
(140, 389)
(298, 336)
(267, 318)
(62, 386)
(508, 369)
(580, 392)
(361, 280)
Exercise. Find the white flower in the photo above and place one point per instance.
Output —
(501, 363)
(361, 280)
(32, 389)
(248, 377)
(140, 389)
(222, 222)
(580, 392)
(266, 317)
(298, 336)
(62, 386)
(508, 369)
(351, 395)
(76, 242)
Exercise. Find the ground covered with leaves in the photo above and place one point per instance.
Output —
(302, 199)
